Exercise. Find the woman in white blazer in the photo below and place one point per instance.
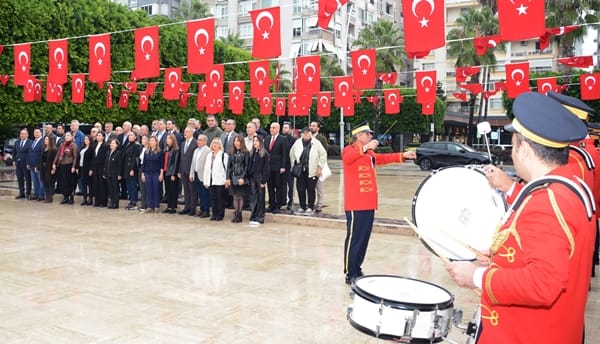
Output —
(215, 175)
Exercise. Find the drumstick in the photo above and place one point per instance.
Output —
(459, 241)
(390, 127)
(416, 230)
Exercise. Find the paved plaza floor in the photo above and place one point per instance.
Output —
(72, 274)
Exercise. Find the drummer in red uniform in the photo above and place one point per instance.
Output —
(535, 288)
(360, 194)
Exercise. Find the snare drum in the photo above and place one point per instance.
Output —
(391, 307)
(455, 208)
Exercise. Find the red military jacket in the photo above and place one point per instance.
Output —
(360, 180)
(535, 289)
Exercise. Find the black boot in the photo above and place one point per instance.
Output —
(84, 202)
(65, 200)
(239, 219)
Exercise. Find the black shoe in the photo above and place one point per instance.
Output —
(33, 198)
(166, 211)
(213, 218)
(20, 196)
(172, 211)
(70, 201)
(64, 201)
(192, 213)
(276, 211)
(78, 193)
(183, 212)
(204, 214)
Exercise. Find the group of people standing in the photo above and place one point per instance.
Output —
(212, 168)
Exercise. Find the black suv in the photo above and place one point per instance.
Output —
(431, 155)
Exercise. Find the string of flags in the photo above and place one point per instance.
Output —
(424, 31)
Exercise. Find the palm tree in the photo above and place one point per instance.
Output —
(192, 9)
(560, 13)
(329, 66)
(473, 23)
(233, 39)
(384, 34)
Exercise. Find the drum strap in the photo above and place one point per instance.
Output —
(582, 191)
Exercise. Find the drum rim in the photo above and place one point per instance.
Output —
(385, 336)
(403, 305)
(414, 200)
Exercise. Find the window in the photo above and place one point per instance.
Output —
(147, 9)
(495, 103)
(244, 7)
(297, 27)
(222, 31)
(428, 66)
(246, 30)
(524, 43)
(389, 8)
(221, 11)
(297, 6)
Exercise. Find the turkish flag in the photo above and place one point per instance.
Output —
(200, 45)
(521, 19)
(267, 33)
(260, 82)
(280, 106)
(417, 54)
(309, 71)
(363, 68)
(109, 100)
(215, 106)
(131, 86)
(22, 63)
(428, 109)
(202, 100)
(517, 78)
(214, 82)
(54, 92)
(265, 105)
(388, 78)
(474, 88)
(555, 31)
(577, 61)
(426, 86)
(392, 101)
(357, 94)
(462, 73)
(183, 100)
(147, 55)
(460, 95)
(236, 97)
(184, 87)
(38, 91)
(99, 58)
(489, 94)
(546, 84)
(342, 86)
(143, 105)
(77, 88)
(293, 107)
(348, 110)
(150, 87)
(590, 86)
(1, 49)
(424, 25)
(58, 60)
(172, 81)
(500, 85)
(325, 12)
(123, 100)
(324, 104)
(29, 90)
(483, 43)
(4, 79)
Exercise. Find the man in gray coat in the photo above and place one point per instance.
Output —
(188, 145)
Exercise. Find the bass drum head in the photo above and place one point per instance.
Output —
(457, 203)
(403, 292)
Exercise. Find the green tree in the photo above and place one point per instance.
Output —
(233, 39)
(192, 9)
(562, 13)
(472, 23)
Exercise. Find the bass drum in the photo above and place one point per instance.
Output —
(455, 208)
(400, 308)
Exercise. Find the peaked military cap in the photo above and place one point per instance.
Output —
(545, 121)
(364, 126)
(575, 105)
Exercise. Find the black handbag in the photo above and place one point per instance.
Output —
(297, 169)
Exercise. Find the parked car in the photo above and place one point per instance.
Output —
(432, 155)
(503, 154)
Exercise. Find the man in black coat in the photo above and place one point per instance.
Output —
(278, 150)
(33, 160)
(22, 148)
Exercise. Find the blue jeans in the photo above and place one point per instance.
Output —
(38, 187)
(153, 187)
(132, 188)
(203, 195)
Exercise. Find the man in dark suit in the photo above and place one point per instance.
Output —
(33, 160)
(288, 179)
(123, 143)
(185, 163)
(278, 149)
(22, 148)
(60, 135)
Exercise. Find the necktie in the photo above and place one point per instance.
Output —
(187, 144)
(22, 144)
(272, 143)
